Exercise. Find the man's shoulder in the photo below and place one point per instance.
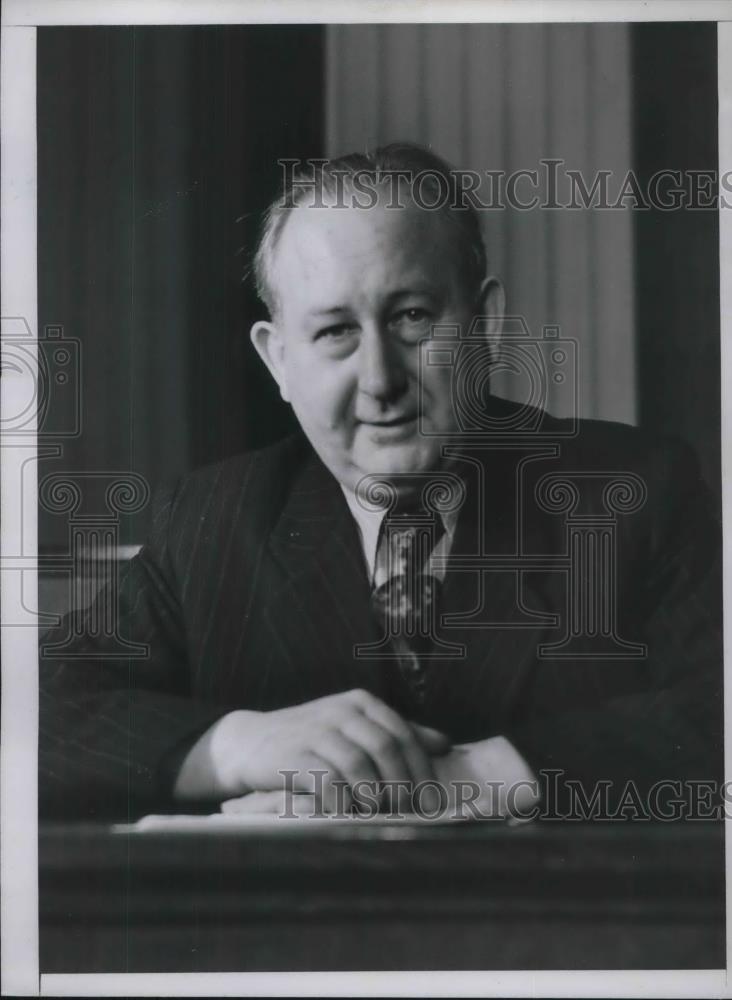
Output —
(663, 468)
(254, 483)
(273, 462)
(616, 444)
(657, 475)
(599, 445)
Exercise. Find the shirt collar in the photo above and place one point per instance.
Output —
(369, 526)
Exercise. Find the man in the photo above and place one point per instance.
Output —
(261, 590)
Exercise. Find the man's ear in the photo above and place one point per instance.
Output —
(492, 305)
(269, 343)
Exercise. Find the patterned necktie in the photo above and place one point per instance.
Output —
(405, 604)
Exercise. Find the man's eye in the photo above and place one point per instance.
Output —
(415, 315)
(337, 332)
(412, 323)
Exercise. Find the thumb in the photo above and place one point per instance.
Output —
(432, 740)
(255, 802)
(279, 803)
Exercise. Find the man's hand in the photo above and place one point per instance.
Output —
(488, 780)
(352, 737)
(484, 780)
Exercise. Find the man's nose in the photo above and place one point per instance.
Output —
(381, 371)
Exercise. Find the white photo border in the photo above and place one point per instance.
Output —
(19, 873)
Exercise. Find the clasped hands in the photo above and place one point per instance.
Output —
(337, 753)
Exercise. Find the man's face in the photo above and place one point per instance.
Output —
(358, 290)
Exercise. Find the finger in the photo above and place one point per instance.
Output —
(391, 758)
(347, 756)
(418, 760)
(321, 776)
(382, 747)
(433, 741)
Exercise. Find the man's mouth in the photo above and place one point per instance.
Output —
(392, 430)
(406, 418)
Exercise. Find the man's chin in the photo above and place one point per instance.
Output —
(397, 460)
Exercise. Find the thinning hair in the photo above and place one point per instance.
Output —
(327, 180)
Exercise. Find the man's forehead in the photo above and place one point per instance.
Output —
(327, 238)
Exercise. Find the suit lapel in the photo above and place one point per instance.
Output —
(322, 611)
(500, 616)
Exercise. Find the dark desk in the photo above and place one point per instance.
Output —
(481, 896)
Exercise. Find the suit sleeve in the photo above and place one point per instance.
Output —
(673, 731)
(115, 710)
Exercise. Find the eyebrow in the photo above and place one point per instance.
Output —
(398, 293)
(330, 311)
(426, 291)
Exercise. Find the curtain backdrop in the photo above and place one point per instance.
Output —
(502, 97)
(157, 151)
(677, 278)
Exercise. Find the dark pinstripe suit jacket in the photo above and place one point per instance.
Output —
(252, 591)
